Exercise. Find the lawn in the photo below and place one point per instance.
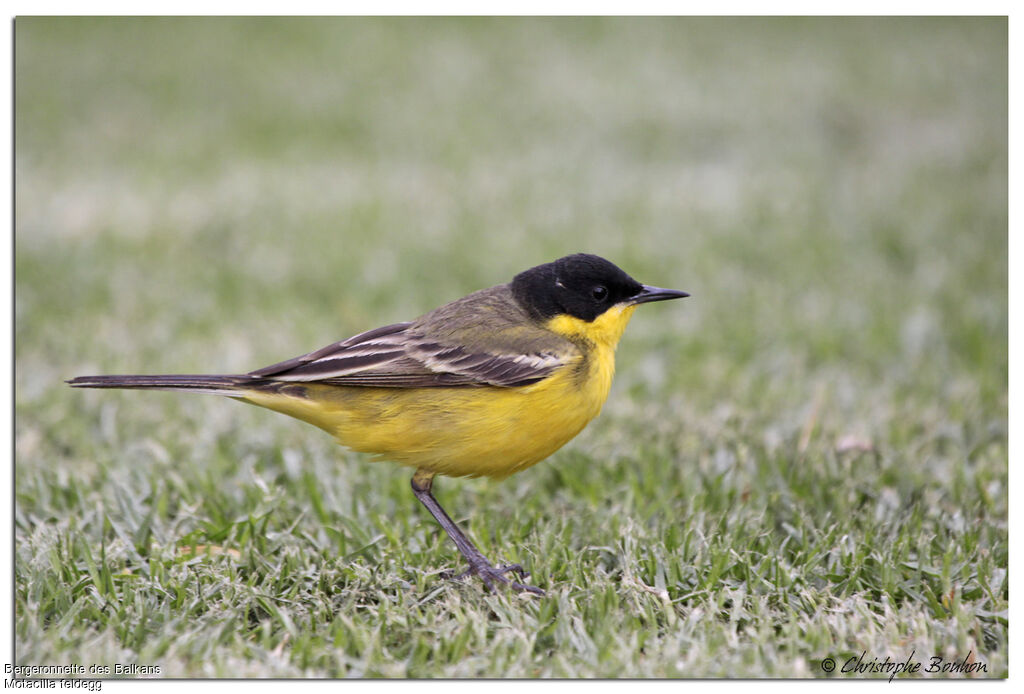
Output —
(807, 459)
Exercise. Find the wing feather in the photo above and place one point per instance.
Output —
(509, 351)
(365, 350)
(402, 359)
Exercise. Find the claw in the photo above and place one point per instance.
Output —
(515, 568)
(478, 564)
(490, 574)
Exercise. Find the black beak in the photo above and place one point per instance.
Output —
(648, 294)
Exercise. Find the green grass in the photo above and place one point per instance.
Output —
(806, 459)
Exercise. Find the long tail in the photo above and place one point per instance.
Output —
(232, 386)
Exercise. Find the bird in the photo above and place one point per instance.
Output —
(487, 385)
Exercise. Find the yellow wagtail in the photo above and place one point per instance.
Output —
(486, 385)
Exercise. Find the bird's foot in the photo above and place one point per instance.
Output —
(490, 575)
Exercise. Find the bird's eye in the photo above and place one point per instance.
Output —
(600, 292)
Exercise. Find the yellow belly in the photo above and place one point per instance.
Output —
(467, 431)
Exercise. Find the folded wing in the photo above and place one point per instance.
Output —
(400, 356)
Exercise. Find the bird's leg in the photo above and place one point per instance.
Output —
(478, 564)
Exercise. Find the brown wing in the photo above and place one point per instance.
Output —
(362, 351)
(432, 351)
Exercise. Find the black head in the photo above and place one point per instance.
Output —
(581, 285)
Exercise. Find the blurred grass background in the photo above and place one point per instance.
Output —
(806, 458)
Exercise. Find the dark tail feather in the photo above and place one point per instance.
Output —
(217, 385)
